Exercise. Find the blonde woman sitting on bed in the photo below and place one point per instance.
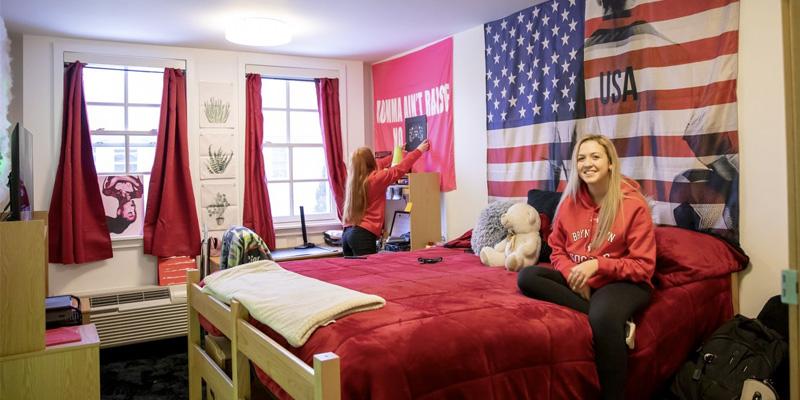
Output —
(603, 256)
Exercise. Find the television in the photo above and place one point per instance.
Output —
(14, 213)
(21, 169)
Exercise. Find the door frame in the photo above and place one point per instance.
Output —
(790, 10)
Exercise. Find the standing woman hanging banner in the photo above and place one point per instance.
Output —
(407, 87)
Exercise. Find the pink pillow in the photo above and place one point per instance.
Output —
(684, 256)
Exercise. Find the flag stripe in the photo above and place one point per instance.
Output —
(711, 119)
(530, 134)
(666, 146)
(697, 191)
(722, 68)
(665, 56)
(675, 99)
(655, 168)
(662, 213)
(653, 12)
(673, 31)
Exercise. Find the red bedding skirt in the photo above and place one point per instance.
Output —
(458, 329)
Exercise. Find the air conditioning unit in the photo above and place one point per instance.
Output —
(135, 316)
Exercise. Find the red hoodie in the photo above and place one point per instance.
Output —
(377, 182)
(629, 254)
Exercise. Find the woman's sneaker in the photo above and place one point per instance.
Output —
(630, 334)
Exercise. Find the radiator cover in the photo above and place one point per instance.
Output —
(135, 316)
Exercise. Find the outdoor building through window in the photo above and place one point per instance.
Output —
(294, 158)
(123, 105)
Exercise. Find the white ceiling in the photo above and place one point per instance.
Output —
(366, 30)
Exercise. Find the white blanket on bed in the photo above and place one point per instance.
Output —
(291, 304)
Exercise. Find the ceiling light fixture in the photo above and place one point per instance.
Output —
(258, 32)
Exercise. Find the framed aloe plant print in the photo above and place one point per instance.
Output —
(216, 105)
(217, 160)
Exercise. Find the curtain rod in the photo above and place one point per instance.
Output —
(120, 69)
(286, 79)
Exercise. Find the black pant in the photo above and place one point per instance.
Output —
(609, 307)
(357, 241)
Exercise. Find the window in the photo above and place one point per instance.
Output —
(123, 105)
(294, 158)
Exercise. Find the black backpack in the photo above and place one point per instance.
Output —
(740, 349)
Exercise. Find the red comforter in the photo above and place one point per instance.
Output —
(458, 329)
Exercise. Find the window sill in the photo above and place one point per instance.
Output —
(127, 243)
(285, 229)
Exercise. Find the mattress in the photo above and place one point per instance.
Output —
(458, 329)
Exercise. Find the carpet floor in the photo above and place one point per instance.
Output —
(147, 371)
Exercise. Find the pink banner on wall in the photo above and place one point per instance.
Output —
(416, 84)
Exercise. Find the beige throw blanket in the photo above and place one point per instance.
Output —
(291, 304)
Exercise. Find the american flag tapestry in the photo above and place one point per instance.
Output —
(658, 77)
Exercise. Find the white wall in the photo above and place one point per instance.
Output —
(763, 188)
(763, 222)
(463, 205)
(15, 108)
(42, 63)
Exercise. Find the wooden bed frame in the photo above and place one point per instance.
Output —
(249, 344)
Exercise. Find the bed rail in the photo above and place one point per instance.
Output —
(322, 382)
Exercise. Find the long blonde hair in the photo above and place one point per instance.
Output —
(362, 163)
(612, 202)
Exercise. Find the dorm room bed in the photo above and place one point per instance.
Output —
(458, 329)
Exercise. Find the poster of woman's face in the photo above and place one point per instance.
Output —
(123, 203)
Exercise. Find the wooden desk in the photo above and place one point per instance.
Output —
(65, 371)
(320, 251)
(291, 254)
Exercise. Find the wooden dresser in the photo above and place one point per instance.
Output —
(29, 369)
(65, 371)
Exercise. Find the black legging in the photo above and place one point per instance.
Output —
(357, 241)
(609, 307)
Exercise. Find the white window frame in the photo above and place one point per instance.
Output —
(122, 62)
(127, 134)
(294, 218)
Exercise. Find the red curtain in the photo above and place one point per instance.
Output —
(257, 214)
(170, 223)
(330, 121)
(77, 231)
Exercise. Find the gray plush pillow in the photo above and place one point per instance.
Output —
(488, 231)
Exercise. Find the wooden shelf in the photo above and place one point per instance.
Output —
(423, 193)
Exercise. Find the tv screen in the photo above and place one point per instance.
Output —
(21, 169)
(13, 177)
